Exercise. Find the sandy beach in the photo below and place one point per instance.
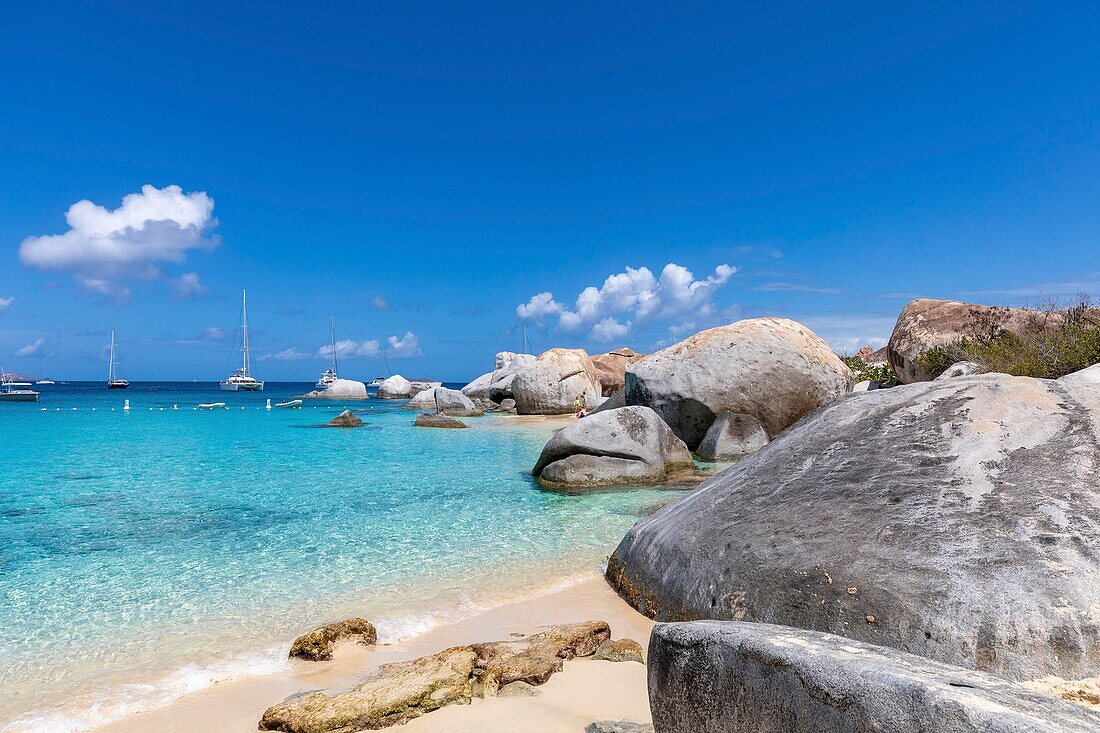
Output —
(586, 691)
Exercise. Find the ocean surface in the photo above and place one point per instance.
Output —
(150, 553)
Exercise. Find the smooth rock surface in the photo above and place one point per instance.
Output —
(447, 401)
(926, 323)
(774, 369)
(317, 645)
(731, 677)
(732, 437)
(956, 520)
(961, 369)
(614, 402)
(627, 445)
(395, 388)
(496, 385)
(346, 419)
(552, 382)
(611, 368)
(435, 420)
(339, 389)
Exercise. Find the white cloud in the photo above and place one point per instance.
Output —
(188, 286)
(847, 333)
(788, 287)
(405, 347)
(102, 245)
(379, 302)
(632, 297)
(6, 302)
(291, 354)
(608, 330)
(33, 349)
(213, 333)
(106, 289)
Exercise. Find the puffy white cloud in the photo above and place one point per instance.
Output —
(399, 348)
(608, 330)
(6, 302)
(405, 347)
(102, 245)
(631, 297)
(33, 349)
(188, 286)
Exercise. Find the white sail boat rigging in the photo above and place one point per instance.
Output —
(240, 380)
(330, 375)
(113, 382)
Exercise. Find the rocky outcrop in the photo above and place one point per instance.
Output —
(927, 323)
(395, 388)
(437, 420)
(614, 402)
(346, 419)
(396, 693)
(611, 368)
(620, 650)
(732, 437)
(771, 368)
(339, 389)
(392, 694)
(714, 677)
(317, 645)
(629, 445)
(953, 519)
(551, 384)
(446, 401)
(617, 726)
(506, 405)
(497, 384)
(416, 386)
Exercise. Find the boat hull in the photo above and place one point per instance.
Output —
(117, 385)
(18, 397)
(233, 387)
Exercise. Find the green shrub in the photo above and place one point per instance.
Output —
(1054, 342)
(862, 371)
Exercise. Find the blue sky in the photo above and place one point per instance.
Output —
(421, 171)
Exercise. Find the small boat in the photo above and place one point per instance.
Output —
(239, 380)
(212, 406)
(290, 405)
(376, 382)
(114, 382)
(16, 391)
(47, 380)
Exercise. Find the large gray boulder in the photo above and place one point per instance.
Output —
(447, 401)
(729, 677)
(496, 385)
(550, 384)
(732, 437)
(394, 388)
(338, 389)
(774, 369)
(926, 323)
(629, 445)
(956, 520)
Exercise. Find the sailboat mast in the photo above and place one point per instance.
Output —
(526, 344)
(332, 337)
(244, 331)
(111, 368)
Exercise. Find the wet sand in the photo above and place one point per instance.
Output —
(586, 691)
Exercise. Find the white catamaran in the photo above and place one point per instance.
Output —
(113, 382)
(329, 375)
(239, 380)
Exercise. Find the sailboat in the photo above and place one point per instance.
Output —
(329, 375)
(11, 391)
(114, 382)
(239, 380)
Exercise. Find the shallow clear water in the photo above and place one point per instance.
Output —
(148, 553)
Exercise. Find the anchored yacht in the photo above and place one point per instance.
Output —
(240, 380)
(329, 375)
(16, 391)
(113, 382)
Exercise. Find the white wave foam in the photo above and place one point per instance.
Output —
(92, 711)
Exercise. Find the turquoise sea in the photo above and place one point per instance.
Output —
(149, 553)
